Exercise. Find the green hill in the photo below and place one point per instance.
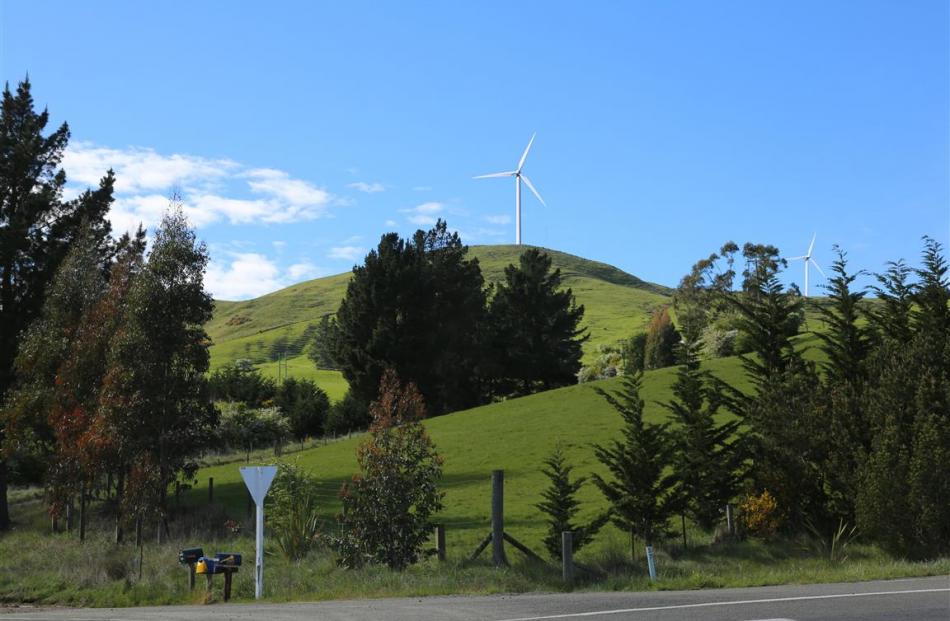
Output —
(616, 305)
(514, 435)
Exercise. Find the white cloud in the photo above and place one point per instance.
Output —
(347, 253)
(422, 220)
(243, 275)
(210, 189)
(246, 275)
(140, 169)
(424, 214)
(498, 219)
(369, 188)
(390, 223)
(305, 271)
(422, 188)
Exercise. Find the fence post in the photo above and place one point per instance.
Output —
(498, 518)
(730, 527)
(440, 540)
(82, 513)
(567, 556)
(210, 490)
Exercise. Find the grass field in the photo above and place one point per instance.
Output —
(515, 436)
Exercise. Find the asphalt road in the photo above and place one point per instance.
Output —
(923, 599)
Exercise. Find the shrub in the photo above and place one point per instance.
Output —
(304, 405)
(346, 415)
(292, 511)
(241, 382)
(247, 429)
(386, 508)
(759, 515)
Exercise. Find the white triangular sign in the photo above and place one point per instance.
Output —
(258, 480)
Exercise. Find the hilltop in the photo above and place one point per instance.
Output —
(616, 304)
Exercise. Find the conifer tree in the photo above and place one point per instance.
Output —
(708, 457)
(641, 493)
(534, 326)
(661, 342)
(561, 506)
(37, 228)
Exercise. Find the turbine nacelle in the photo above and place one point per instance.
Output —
(519, 177)
(807, 258)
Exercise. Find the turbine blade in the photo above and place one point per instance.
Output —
(797, 258)
(818, 267)
(812, 244)
(524, 155)
(501, 174)
(531, 187)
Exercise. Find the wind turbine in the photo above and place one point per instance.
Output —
(807, 259)
(519, 176)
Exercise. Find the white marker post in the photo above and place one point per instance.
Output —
(258, 480)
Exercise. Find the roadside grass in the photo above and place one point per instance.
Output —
(40, 568)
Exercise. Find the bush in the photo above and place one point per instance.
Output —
(292, 511)
(560, 506)
(719, 343)
(243, 383)
(386, 508)
(346, 415)
(304, 405)
(247, 429)
(759, 515)
(608, 364)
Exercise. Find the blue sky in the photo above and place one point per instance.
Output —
(298, 133)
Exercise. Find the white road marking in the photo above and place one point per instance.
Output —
(596, 613)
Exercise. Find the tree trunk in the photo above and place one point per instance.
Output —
(4, 507)
(119, 485)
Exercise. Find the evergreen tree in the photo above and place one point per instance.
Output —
(321, 348)
(846, 434)
(661, 342)
(708, 457)
(642, 495)
(634, 351)
(560, 505)
(534, 327)
(305, 406)
(416, 306)
(37, 227)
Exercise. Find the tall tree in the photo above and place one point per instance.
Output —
(36, 226)
(846, 343)
(708, 456)
(641, 492)
(155, 397)
(534, 326)
(661, 342)
(416, 306)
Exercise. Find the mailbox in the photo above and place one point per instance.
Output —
(228, 559)
(190, 555)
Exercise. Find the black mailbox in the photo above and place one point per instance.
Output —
(228, 559)
(190, 555)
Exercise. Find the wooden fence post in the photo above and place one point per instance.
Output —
(498, 518)
(730, 527)
(210, 490)
(567, 556)
(440, 540)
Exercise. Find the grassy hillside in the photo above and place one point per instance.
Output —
(515, 435)
(616, 305)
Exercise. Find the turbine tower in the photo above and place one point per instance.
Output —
(519, 176)
(807, 259)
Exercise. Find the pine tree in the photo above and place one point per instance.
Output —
(416, 306)
(37, 228)
(642, 495)
(708, 458)
(561, 506)
(534, 327)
